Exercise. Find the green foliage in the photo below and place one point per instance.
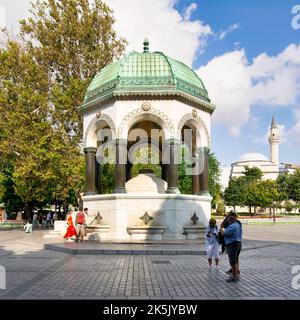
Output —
(107, 178)
(252, 174)
(294, 185)
(221, 208)
(288, 206)
(13, 202)
(249, 190)
(43, 78)
(184, 178)
(214, 179)
(235, 193)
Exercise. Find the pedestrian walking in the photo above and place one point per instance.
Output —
(41, 220)
(212, 242)
(35, 220)
(49, 220)
(71, 231)
(80, 225)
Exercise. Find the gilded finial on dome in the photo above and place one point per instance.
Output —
(146, 45)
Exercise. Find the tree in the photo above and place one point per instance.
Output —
(43, 79)
(294, 185)
(235, 193)
(288, 206)
(72, 40)
(252, 174)
(283, 183)
(214, 178)
(221, 208)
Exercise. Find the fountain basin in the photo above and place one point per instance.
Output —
(146, 232)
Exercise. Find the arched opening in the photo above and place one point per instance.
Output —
(99, 155)
(193, 170)
(144, 144)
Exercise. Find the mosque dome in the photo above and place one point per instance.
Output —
(152, 73)
(252, 156)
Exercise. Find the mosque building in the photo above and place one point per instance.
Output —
(269, 167)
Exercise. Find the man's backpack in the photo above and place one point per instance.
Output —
(80, 218)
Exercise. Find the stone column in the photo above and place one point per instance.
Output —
(195, 179)
(90, 165)
(128, 171)
(204, 175)
(121, 161)
(172, 167)
(163, 171)
(98, 176)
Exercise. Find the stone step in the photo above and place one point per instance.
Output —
(97, 249)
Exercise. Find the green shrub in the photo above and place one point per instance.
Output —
(221, 208)
(288, 206)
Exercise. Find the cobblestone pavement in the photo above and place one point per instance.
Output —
(35, 273)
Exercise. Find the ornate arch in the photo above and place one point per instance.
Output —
(168, 125)
(194, 117)
(93, 123)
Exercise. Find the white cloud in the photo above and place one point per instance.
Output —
(228, 82)
(235, 85)
(230, 29)
(189, 10)
(2, 17)
(166, 28)
(293, 134)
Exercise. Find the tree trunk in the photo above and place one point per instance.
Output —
(28, 210)
(80, 202)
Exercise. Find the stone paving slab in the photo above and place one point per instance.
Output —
(35, 273)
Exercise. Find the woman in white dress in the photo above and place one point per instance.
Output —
(212, 243)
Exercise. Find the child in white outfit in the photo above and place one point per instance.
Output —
(28, 227)
(212, 243)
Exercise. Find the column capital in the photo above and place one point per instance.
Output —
(204, 150)
(173, 142)
(90, 150)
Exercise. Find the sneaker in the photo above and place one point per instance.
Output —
(229, 271)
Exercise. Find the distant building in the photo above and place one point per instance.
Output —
(224, 177)
(289, 167)
(269, 167)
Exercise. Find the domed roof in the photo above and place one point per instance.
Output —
(252, 156)
(146, 72)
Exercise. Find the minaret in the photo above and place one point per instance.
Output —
(274, 139)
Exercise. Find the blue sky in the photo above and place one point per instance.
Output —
(264, 26)
(246, 52)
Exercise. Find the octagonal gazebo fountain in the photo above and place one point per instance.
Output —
(146, 100)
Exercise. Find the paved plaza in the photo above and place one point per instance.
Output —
(32, 272)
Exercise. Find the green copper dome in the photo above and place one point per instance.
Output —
(146, 73)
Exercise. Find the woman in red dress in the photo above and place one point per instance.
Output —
(71, 231)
